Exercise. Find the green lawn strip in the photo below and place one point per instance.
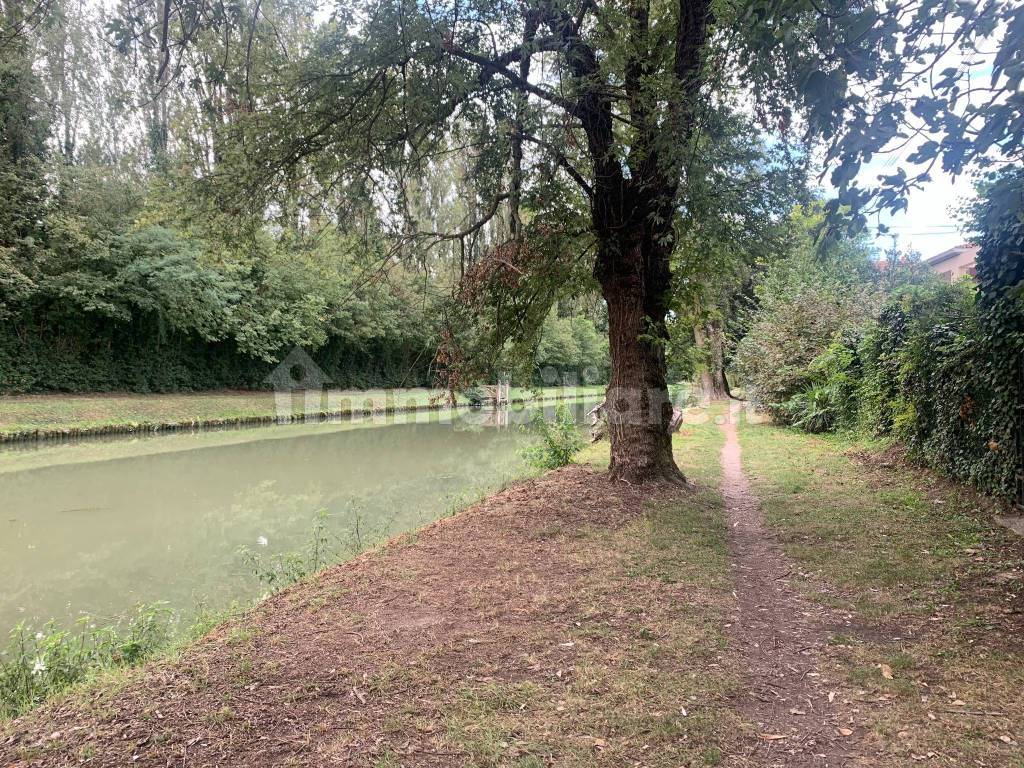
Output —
(83, 413)
(656, 689)
(903, 550)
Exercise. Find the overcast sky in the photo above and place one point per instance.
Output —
(930, 224)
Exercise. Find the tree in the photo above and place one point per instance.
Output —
(594, 109)
(24, 127)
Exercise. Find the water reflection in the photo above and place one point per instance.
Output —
(98, 527)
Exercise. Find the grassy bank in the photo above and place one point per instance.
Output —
(32, 416)
(564, 619)
(932, 588)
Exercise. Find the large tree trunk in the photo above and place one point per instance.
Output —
(634, 279)
(711, 381)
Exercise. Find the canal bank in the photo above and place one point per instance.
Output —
(570, 621)
(63, 416)
(531, 612)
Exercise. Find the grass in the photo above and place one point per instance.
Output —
(37, 665)
(902, 548)
(58, 413)
(658, 685)
(916, 562)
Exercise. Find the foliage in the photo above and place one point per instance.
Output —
(985, 130)
(937, 367)
(829, 401)
(559, 440)
(282, 570)
(806, 302)
(152, 310)
(571, 351)
(927, 384)
(39, 664)
(999, 217)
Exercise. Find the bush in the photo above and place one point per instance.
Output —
(928, 383)
(560, 440)
(807, 303)
(829, 401)
(921, 374)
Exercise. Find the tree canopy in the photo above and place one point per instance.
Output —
(508, 157)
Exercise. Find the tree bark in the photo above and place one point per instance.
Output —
(711, 381)
(634, 277)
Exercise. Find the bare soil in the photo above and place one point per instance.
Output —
(781, 636)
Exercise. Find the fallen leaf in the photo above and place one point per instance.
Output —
(845, 732)
(886, 671)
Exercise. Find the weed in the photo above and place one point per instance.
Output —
(560, 440)
(39, 664)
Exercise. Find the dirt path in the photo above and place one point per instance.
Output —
(781, 635)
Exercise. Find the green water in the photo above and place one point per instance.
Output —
(99, 526)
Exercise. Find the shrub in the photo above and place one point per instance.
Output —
(830, 399)
(560, 440)
(927, 380)
(806, 303)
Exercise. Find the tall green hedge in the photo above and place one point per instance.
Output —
(927, 380)
(1001, 309)
(113, 357)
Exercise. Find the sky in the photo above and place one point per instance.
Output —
(930, 224)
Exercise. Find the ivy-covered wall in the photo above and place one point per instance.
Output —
(929, 379)
(1001, 307)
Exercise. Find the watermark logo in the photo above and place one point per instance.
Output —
(298, 375)
(303, 393)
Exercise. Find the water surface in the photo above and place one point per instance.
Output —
(97, 527)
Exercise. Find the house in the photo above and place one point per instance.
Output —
(954, 263)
